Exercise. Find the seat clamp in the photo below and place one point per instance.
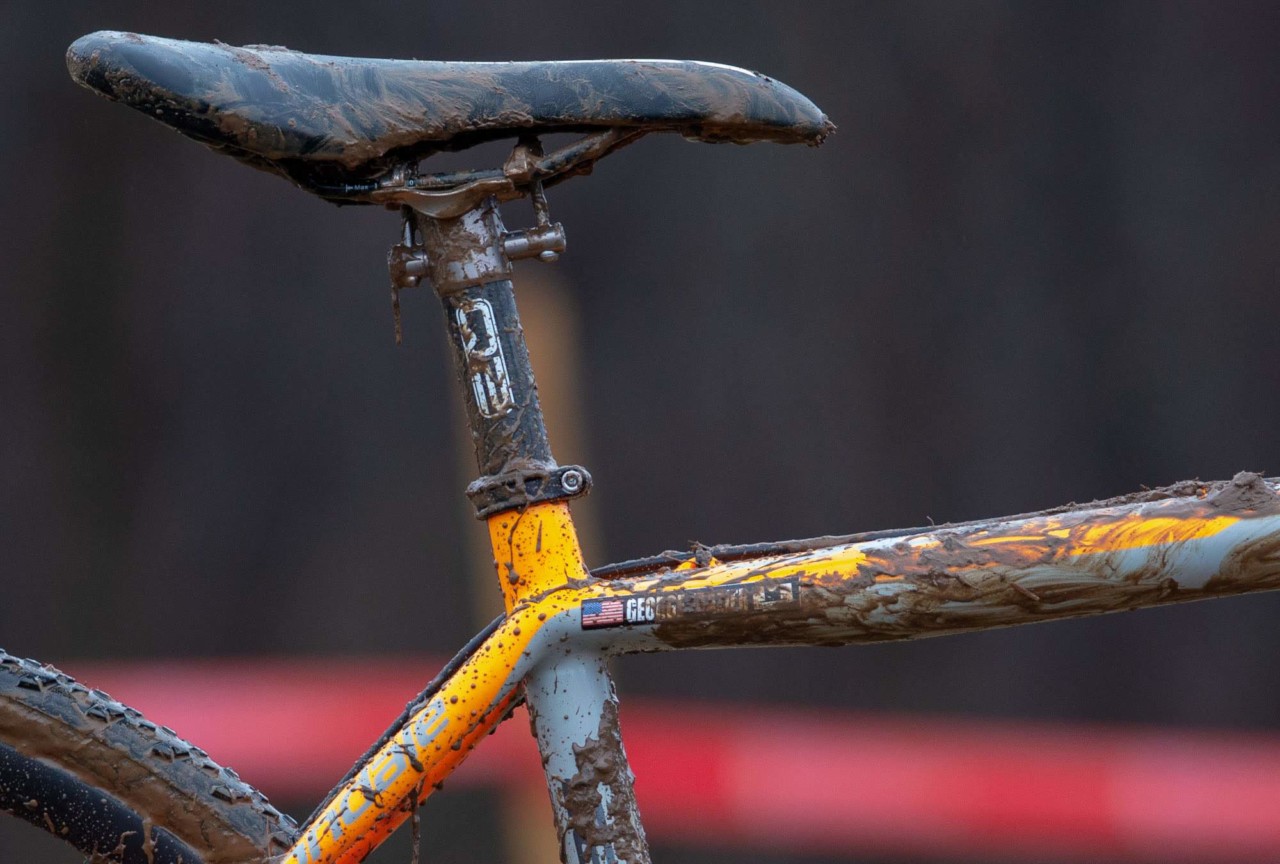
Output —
(517, 489)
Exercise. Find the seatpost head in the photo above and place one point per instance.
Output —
(454, 237)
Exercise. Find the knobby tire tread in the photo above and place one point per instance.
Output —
(118, 787)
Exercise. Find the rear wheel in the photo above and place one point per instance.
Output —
(100, 776)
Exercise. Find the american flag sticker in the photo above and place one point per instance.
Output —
(601, 613)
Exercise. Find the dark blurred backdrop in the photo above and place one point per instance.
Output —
(1037, 263)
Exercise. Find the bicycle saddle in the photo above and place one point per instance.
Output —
(310, 116)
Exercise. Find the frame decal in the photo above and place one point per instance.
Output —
(713, 601)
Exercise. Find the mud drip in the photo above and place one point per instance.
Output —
(600, 797)
(573, 710)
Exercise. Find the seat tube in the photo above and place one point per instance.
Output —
(574, 711)
(523, 496)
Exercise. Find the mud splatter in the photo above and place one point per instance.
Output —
(1245, 491)
(121, 766)
(1082, 561)
(604, 820)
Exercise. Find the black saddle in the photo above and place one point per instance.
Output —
(317, 119)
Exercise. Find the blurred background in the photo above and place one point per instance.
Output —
(1037, 263)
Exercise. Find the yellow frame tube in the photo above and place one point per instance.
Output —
(537, 551)
(1219, 540)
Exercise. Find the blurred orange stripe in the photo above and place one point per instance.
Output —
(753, 777)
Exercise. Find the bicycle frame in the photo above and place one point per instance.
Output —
(1195, 541)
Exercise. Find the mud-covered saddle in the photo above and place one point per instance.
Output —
(319, 119)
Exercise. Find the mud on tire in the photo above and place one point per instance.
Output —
(121, 789)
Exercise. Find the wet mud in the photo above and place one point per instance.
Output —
(1124, 553)
(608, 821)
(106, 746)
(315, 117)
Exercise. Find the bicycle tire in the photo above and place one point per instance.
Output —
(121, 789)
